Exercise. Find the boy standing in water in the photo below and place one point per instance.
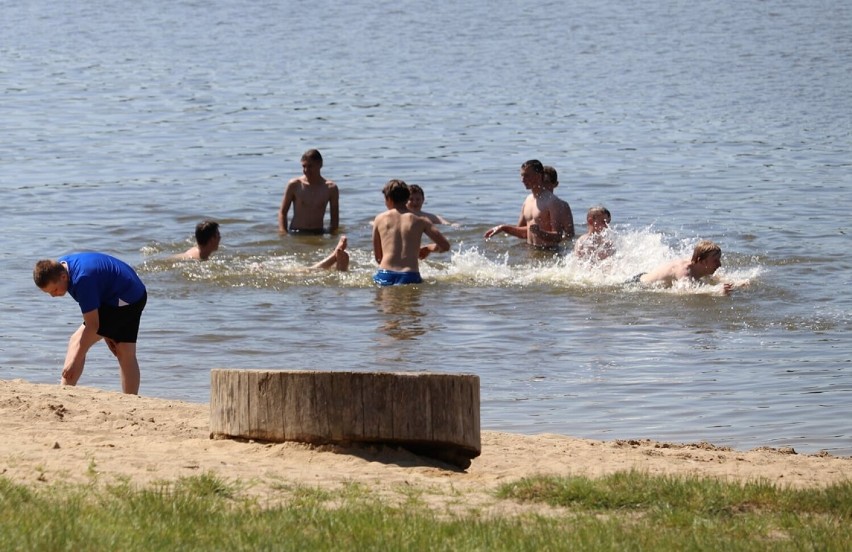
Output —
(415, 205)
(111, 298)
(595, 244)
(396, 239)
(309, 195)
(539, 223)
(566, 218)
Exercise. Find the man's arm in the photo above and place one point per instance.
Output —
(377, 242)
(517, 231)
(567, 221)
(334, 207)
(552, 237)
(79, 344)
(441, 243)
(289, 196)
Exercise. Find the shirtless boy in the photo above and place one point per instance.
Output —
(595, 243)
(415, 205)
(551, 181)
(706, 259)
(397, 233)
(207, 238)
(539, 223)
(309, 195)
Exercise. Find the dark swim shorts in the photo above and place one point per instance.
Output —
(309, 231)
(121, 324)
(636, 279)
(393, 278)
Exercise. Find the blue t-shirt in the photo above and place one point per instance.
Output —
(96, 279)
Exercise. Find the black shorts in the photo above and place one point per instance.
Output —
(121, 324)
(309, 231)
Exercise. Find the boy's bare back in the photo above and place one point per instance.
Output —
(399, 235)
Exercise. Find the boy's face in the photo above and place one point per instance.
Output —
(58, 287)
(310, 167)
(597, 222)
(415, 201)
(711, 263)
(530, 178)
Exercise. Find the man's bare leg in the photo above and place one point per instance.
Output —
(128, 365)
(80, 341)
(339, 258)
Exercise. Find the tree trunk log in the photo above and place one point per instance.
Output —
(431, 414)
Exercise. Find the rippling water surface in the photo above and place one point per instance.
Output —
(124, 124)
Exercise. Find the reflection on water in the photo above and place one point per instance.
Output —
(400, 311)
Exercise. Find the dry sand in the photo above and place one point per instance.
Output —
(52, 433)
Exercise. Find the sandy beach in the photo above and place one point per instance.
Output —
(52, 434)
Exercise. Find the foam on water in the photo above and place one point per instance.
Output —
(636, 251)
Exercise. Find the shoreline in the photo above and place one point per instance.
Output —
(54, 434)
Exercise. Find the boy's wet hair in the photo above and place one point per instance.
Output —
(313, 155)
(704, 249)
(397, 191)
(415, 189)
(205, 231)
(535, 165)
(599, 210)
(551, 176)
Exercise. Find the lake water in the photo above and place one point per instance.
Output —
(126, 123)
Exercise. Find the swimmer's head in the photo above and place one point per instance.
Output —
(397, 191)
(551, 179)
(416, 198)
(598, 218)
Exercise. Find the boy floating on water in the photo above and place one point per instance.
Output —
(207, 238)
(706, 259)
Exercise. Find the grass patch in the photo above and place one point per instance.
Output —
(702, 513)
(628, 511)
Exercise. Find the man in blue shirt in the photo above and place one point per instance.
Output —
(111, 298)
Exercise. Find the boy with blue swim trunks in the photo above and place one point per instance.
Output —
(111, 298)
(396, 239)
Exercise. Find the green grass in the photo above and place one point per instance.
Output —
(626, 511)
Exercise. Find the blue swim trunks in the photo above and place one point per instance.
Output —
(393, 278)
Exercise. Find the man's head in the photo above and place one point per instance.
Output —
(416, 197)
(397, 192)
(311, 161)
(51, 277)
(551, 179)
(707, 256)
(532, 174)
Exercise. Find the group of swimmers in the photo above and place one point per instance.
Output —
(397, 232)
(545, 222)
(112, 297)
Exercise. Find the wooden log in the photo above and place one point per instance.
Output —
(431, 414)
